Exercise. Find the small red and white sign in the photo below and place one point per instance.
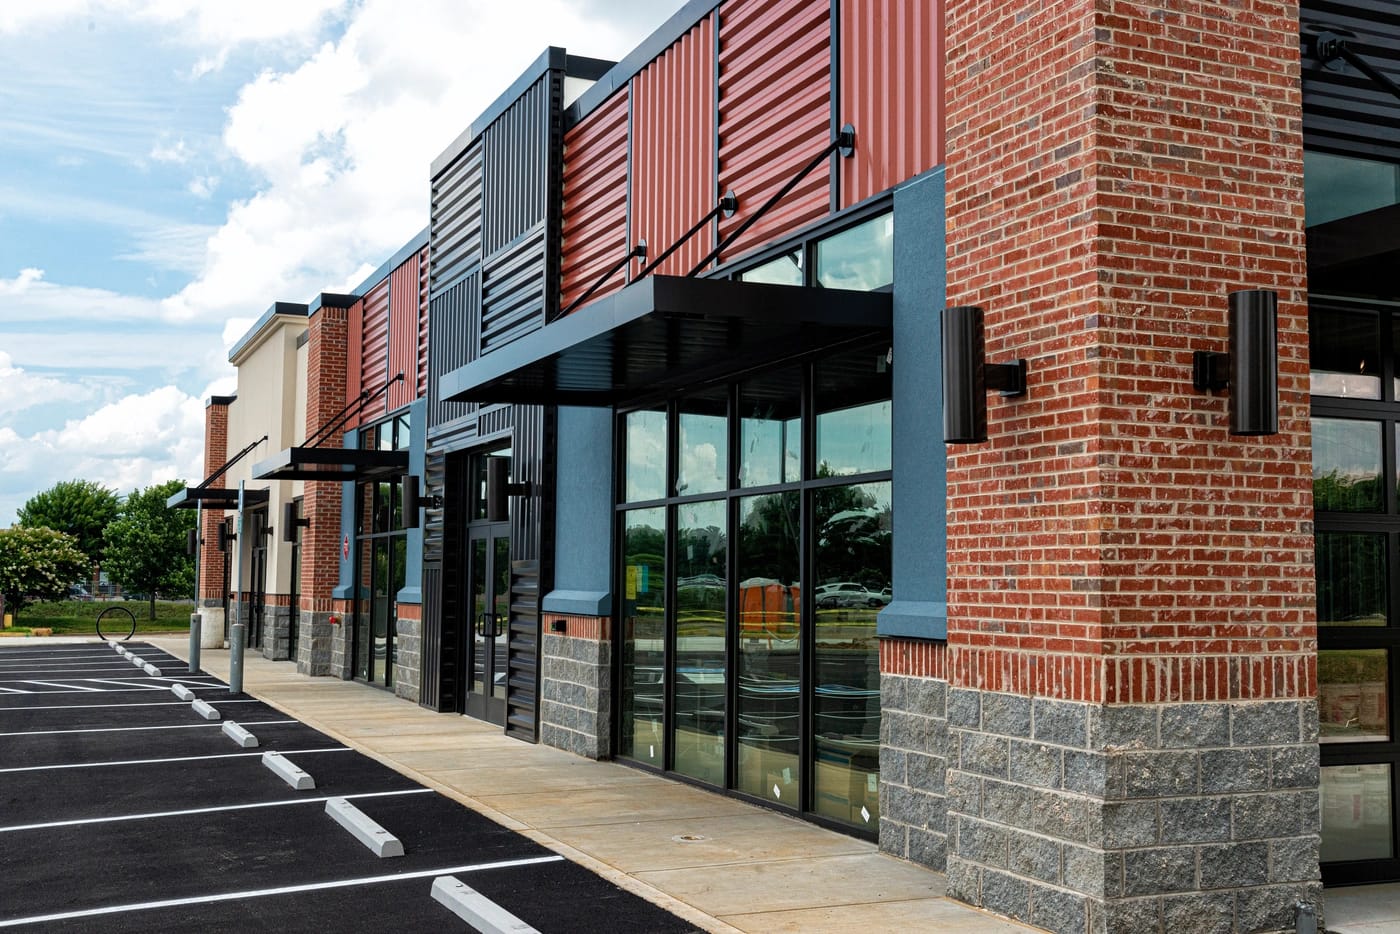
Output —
(345, 548)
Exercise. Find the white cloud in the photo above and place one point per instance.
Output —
(30, 299)
(203, 186)
(177, 152)
(21, 390)
(134, 442)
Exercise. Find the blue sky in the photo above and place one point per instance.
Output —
(169, 168)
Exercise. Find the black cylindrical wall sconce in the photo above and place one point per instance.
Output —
(291, 522)
(1250, 368)
(967, 376)
(415, 500)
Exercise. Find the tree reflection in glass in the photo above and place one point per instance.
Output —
(769, 660)
(643, 634)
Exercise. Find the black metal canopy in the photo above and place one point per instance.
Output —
(343, 464)
(214, 498)
(667, 332)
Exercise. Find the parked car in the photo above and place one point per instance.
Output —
(844, 594)
(78, 592)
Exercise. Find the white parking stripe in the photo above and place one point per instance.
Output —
(282, 890)
(106, 706)
(136, 729)
(15, 691)
(125, 682)
(206, 687)
(55, 684)
(104, 765)
(152, 815)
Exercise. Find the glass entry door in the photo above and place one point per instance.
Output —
(488, 571)
(257, 579)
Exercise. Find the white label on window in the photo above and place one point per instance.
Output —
(777, 792)
(652, 753)
(865, 813)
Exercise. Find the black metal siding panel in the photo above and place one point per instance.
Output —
(431, 641)
(517, 167)
(513, 291)
(1344, 110)
(453, 320)
(435, 482)
(455, 229)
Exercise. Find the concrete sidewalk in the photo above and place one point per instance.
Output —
(720, 863)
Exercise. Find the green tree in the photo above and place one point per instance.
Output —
(80, 508)
(37, 566)
(146, 544)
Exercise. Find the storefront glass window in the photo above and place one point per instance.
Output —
(852, 567)
(1351, 579)
(645, 456)
(1356, 814)
(704, 444)
(1347, 465)
(1353, 696)
(644, 635)
(853, 414)
(785, 270)
(769, 656)
(1341, 186)
(1344, 346)
(702, 547)
(861, 258)
(770, 431)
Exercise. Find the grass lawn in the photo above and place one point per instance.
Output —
(79, 618)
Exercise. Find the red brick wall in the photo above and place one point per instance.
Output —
(326, 357)
(211, 560)
(1114, 169)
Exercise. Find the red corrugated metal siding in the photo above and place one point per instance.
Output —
(374, 350)
(595, 200)
(774, 111)
(403, 333)
(421, 388)
(891, 92)
(673, 148)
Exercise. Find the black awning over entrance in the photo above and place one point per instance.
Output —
(667, 332)
(343, 464)
(214, 498)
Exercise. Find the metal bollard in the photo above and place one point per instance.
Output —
(196, 624)
(235, 658)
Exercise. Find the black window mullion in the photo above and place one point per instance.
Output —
(731, 599)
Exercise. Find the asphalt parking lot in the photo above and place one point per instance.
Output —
(122, 808)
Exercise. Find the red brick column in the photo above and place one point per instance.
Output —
(326, 359)
(1115, 168)
(211, 560)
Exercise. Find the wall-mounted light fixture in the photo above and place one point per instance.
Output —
(498, 487)
(291, 522)
(415, 500)
(1250, 367)
(191, 541)
(226, 537)
(967, 376)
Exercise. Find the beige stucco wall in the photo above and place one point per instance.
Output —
(270, 401)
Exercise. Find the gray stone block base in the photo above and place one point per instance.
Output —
(408, 658)
(576, 695)
(314, 638)
(913, 763)
(343, 647)
(277, 631)
(1161, 818)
